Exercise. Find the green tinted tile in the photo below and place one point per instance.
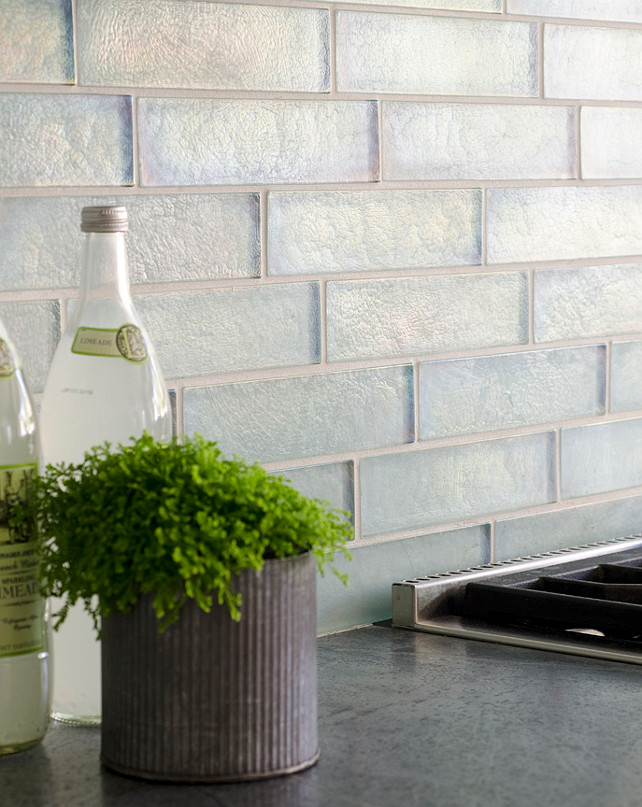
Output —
(445, 484)
(480, 394)
(287, 418)
(374, 569)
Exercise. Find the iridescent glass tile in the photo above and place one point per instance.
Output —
(37, 41)
(287, 418)
(125, 43)
(337, 231)
(613, 10)
(592, 63)
(173, 237)
(541, 224)
(206, 332)
(484, 393)
(435, 55)
(51, 139)
(410, 316)
(575, 303)
(626, 376)
(611, 143)
(332, 483)
(376, 566)
(34, 327)
(491, 6)
(206, 141)
(477, 141)
(574, 526)
(600, 458)
(441, 485)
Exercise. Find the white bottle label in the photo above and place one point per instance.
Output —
(126, 342)
(7, 367)
(21, 606)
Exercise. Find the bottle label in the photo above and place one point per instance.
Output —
(21, 606)
(126, 342)
(7, 366)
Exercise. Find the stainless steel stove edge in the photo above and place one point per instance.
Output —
(575, 644)
(417, 602)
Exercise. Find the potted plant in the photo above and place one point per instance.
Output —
(199, 572)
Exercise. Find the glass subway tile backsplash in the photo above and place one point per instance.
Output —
(212, 45)
(391, 249)
(202, 237)
(191, 141)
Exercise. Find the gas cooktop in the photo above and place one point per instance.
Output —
(585, 600)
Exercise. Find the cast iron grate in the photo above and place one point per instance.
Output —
(606, 599)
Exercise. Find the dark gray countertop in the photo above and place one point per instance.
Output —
(412, 719)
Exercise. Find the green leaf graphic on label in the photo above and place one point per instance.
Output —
(21, 606)
(126, 342)
(7, 367)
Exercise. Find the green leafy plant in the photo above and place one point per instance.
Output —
(176, 520)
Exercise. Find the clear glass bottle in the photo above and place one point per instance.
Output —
(24, 656)
(104, 384)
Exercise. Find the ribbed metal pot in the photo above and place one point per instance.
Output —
(213, 700)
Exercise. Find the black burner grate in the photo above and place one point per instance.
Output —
(606, 598)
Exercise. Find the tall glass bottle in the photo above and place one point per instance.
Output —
(104, 384)
(24, 657)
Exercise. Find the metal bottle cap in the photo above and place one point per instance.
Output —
(104, 219)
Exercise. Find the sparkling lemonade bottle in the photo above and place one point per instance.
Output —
(104, 385)
(24, 657)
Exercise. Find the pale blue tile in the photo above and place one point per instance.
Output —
(197, 141)
(34, 328)
(224, 46)
(576, 303)
(435, 55)
(611, 143)
(374, 568)
(287, 418)
(592, 63)
(542, 224)
(613, 10)
(446, 484)
(64, 140)
(173, 237)
(347, 231)
(406, 316)
(626, 376)
(600, 458)
(481, 394)
(332, 482)
(37, 41)
(477, 141)
(206, 332)
(574, 526)
(491, 6)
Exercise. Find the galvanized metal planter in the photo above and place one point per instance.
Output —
(212, 700)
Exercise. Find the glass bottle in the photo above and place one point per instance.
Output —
(104, 384)
(24, 656)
